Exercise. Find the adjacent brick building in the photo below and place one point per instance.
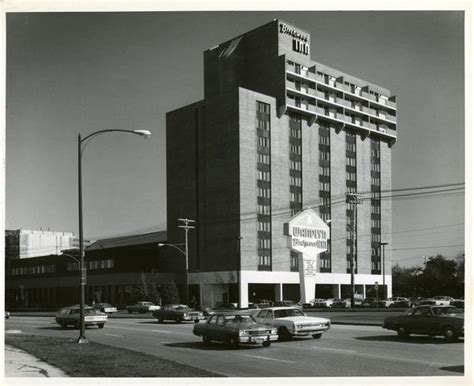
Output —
(277, 133)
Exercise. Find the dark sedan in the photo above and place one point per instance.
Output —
(235, 329)
(429, 320)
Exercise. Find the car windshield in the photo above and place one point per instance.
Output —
(236, 319)
(181, 308)
(288, 312)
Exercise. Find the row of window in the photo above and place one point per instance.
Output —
(92, 265)
(263, 123)
(264, 192)
(264, 243)
(34, 270)
(263, 175)
(375, 265)
(263, 158)
(263, 226)
(295, 181)
(295, 149)
(296, 197)
(295, 165)
(263, 141)
(324, 171)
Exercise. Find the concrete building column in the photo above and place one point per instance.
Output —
(279, 292)
(243, 291)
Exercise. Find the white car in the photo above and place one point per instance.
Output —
(290, 321)
(391, 302)
(321, 303)
(443, 300)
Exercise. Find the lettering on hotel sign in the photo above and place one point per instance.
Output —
(309, 233)
(299, 42)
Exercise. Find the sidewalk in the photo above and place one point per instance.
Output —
(19, 363)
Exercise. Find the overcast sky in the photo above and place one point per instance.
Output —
(81, 72)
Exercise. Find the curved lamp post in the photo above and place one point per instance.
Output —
(81, 144)
(185, 254)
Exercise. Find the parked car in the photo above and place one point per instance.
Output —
(428, 320)
(339, 303)
(427, 302)
(458, 303)
(443, 300)
(290, 321)
(105, 307)
(283, 303)
(142, 307)
(415, 301)
(178, 313)
(318, 303)
(397, 302)
(70, 316)
(235, 329)
(372, 303)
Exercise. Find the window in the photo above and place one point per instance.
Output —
(263, 107)
(324, 156)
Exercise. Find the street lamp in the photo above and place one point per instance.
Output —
(383, 268)
(81, 144)
(184, 252)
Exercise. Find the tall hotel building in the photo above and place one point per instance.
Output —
(277, 133)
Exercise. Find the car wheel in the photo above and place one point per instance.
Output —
(232, 341)
(101, 325)
(129, 311)
(161, 320)
(266, 344)
(450, 334)
(178, 320)
(283, 334)
(403, 332)
(206, 339)
(63, 325)
(317, 336)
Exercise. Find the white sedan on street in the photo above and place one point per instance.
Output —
(290, 321)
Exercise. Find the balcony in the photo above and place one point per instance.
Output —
(298, 106)
(300, 74)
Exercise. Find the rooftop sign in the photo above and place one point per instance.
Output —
(299, 40)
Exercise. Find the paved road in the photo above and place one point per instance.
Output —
(343, 351)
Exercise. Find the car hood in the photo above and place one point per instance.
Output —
(304, 319)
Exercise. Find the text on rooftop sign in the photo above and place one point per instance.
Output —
(299, 40)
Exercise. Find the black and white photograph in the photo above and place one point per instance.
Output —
(236, 192)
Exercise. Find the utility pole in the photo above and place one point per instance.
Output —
(354, 199)
(184, 223)
(383, 269)
(239, 260)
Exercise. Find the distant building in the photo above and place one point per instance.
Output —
(277, 133)
(113, 266)
(24, 243)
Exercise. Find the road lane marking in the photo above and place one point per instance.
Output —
(163, 331)
(117, 336)
(331, 349)
(268, 359)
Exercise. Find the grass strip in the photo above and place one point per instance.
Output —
(99, 360)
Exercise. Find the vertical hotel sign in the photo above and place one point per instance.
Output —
(299, 41)
(309, 236)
